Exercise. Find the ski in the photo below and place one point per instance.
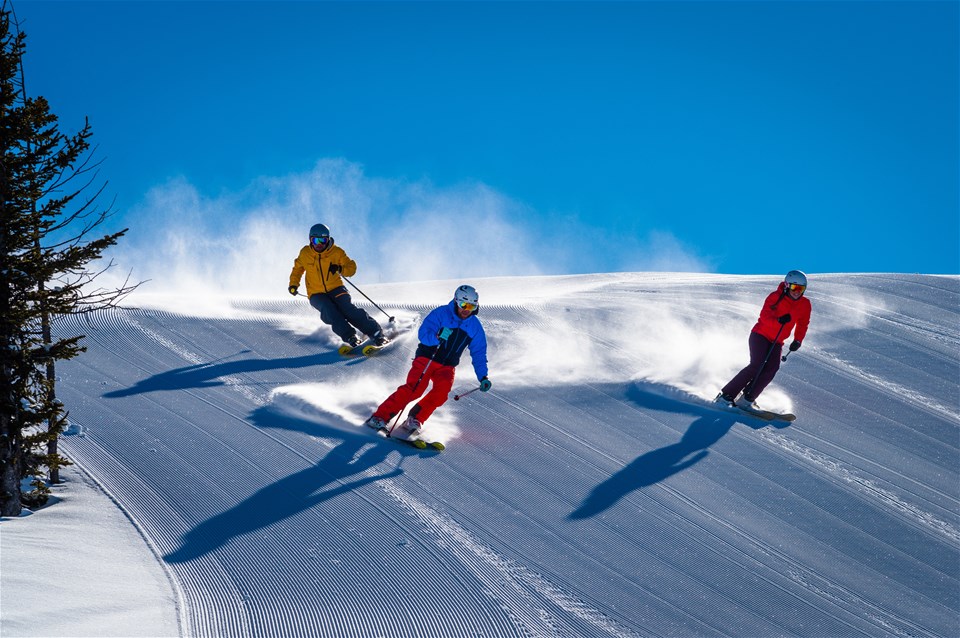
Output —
(366, 348)
(766, 415)
(420, 444)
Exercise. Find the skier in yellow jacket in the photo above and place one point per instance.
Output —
(322, 263)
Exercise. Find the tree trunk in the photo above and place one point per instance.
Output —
(10, 436)
(52, 447)
(10, 504)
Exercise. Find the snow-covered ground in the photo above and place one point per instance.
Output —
(592, 492)
(79, 567)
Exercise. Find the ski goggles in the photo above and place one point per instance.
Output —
(466, 305)
(796, 288)
(319, 242)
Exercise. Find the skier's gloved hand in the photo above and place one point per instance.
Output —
(784, 319)
(292, 290)
(485, 384)
(334, 269)
(794, 346)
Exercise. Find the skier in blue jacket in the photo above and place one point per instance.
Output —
(444, 334)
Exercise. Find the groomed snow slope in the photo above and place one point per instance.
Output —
(592, 492)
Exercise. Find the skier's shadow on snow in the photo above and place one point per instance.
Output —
(208, 375)
(657, 465)
(296, 493)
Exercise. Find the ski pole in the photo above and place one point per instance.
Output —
(368, 298)
(763, 365)
(457, 397)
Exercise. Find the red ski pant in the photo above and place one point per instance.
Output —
(422, 373)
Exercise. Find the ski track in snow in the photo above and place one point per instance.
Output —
(863, 485)
(518, 595)
(921, 401)
(526, 595)
(235, 382)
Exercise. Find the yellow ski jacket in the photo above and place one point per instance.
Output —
(316, 267)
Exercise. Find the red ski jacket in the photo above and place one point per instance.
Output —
(779, 303)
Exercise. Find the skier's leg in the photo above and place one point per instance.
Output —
(411, 390)
(758, 350)
(358, 317)
(442, 377)
(331, 315)
(769, 371)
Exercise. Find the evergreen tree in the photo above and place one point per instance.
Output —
(48, 223)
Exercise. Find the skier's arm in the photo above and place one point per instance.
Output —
(296, 273)
(803, 322)
(430, 328)
(478, 354)
(348, 266)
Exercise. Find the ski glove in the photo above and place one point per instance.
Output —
(485, 384)
(292, 290)
(784, 319)
(334, 269)
(794, 346)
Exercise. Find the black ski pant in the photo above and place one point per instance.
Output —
(759, 347)
(337, 311)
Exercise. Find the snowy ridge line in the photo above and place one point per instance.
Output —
(909, 512)
(508, 581)
(923, 402)
(940, 291)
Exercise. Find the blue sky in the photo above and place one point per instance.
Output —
(731, 137)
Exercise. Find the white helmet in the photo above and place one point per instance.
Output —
(795, 277)
(466, 294)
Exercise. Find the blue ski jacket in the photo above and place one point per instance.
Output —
(444, 336)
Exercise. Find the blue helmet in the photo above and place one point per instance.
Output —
(319, 230)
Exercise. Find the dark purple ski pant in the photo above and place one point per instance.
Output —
(759, 346)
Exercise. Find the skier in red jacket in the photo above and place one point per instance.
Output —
(785, 310)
